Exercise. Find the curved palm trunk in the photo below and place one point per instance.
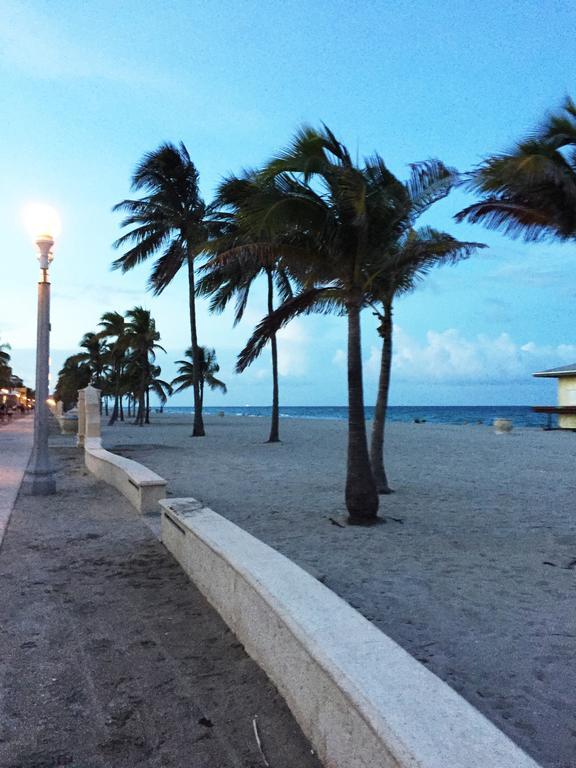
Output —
(198, 430)
(114, 415)
(379, 424)
(275, 421)
(361, 494)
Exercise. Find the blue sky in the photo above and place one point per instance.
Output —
(87, 88)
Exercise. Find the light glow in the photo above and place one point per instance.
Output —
(42, 221)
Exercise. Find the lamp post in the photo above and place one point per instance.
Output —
(38, 479)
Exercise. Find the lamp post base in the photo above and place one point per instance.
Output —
(40, 483)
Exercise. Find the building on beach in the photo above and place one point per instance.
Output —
(566, 408)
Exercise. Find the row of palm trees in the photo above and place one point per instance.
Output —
(120, 360)
(8, 379)
(329, 234)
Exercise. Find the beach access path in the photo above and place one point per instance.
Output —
(473, 573)
(16, 437)
(110, 656)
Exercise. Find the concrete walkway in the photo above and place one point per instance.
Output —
(109, 655)
(15, 447)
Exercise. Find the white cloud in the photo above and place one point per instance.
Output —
(339, 358)
(292, 357)
(448, 356)
(32, 41)
(373, 363)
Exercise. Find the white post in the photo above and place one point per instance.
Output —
(92, 417)
(81, 418)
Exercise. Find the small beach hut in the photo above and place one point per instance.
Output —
(566, 408)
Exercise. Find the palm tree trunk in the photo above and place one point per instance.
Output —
(379, 424)
(147, 417)
(198, 430)
(361, 493)
(117, 396)
(114, 415)
(141, 408)
(275, 421)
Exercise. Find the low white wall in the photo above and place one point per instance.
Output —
(142, 487)
(361, 699)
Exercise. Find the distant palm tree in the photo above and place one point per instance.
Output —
(141, 337)
(113, 327)
(171, 222)
(96, 357)
(239, 259)
(5, 370)
(530, 191)
(162, 389)
(208, 367)
(73, 375)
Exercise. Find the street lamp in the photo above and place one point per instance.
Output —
(43, 224)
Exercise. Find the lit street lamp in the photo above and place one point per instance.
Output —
(43, 224)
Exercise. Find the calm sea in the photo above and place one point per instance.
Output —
(520, 415)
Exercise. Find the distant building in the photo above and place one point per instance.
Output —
(566, 408)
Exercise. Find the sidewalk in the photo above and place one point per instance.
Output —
(109, 655)
(15, 448)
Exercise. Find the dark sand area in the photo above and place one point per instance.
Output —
(110, 657)
(475, 576)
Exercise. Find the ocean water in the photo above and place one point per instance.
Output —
(519, 415)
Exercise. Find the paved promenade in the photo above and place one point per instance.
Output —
(110, 656)
(15, 447)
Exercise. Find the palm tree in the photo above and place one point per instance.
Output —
(162, 389)
(5, 370)
(344, 219)
(97, 358)
(171, 222)
(530, 191)
(141, 337)
(416, 252)
(74, 375)
(113, 327)
(239, 260)
(208, 367)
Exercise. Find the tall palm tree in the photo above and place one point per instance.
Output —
(239, 260)
(113, 327)
(415, 253)
(170, 222)
(208, 367)
(141, 337)
(345, 219)
(530, 191)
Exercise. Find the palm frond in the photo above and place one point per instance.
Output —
(167, 266)
(303, 303)
(429, 182)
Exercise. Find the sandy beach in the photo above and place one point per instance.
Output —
(473, 573)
